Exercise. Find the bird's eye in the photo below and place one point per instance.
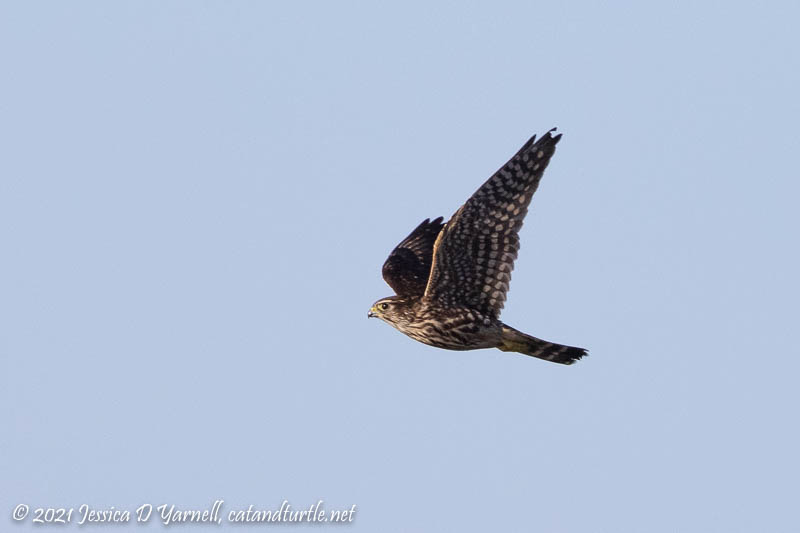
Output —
(384, 306)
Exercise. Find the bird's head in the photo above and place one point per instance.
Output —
(392, 309)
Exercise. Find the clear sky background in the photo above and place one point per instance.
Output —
(196, 199)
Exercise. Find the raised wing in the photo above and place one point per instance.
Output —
(475, 252)
(409, 265)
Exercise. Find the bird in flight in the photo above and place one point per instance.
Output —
(451, 279)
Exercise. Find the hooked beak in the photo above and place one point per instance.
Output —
(372, 312)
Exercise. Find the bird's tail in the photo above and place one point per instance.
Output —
(512, 340)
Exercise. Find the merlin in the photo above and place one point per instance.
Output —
(452, 279)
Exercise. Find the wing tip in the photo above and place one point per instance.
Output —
(434, 225)
(547, 140)
(550, 137)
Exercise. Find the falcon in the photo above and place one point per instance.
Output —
(451, 279)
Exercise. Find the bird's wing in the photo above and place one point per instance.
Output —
(409, 265)
(474, 254)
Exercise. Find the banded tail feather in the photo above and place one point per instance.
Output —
(512, 340)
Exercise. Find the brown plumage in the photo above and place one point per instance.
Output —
(451, 280)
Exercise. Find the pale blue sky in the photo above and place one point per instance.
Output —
(196, 199)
